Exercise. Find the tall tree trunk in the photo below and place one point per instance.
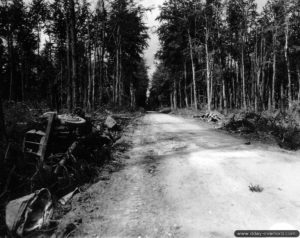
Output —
(120, 77)
(269, 88)
(193, 70)
(101, 74)
(274, 69)
(73, 35)
(118, 68)
(286, 54)
(298, 74)
(185, 82)
(270, 99)
(208, 86)
(102, 55)
(257, 73)
(191, 94)
(223, 86)
(61, 84)
(180, 94)
(38, 50)
(243, 76)
(38, 38)
(263, 80)
(175, 94)
(235, 86)
(11, 67)
(94, 70)
(282, 100)
(256, 95)
(212, 85)
(89, 86)
(116, 84)
(224, 94)
(69, 78)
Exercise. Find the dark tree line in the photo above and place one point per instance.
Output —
(225, 55)
(71, 55)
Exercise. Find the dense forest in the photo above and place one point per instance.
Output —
(70, 54)
(226, 55)
(214, 54)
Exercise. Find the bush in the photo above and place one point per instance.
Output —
(284, 127)
(18, 119)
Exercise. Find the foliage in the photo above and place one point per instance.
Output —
(242, 58)
(38, 60)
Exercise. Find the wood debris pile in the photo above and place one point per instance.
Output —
(211, 117)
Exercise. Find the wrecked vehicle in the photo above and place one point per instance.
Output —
(58, 154)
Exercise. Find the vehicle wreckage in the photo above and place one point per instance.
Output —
(60, 154)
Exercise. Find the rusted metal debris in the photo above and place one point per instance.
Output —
(110, 123)
(29, 213)
(59, 156)
(36, 141)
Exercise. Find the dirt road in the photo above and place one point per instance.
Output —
(184, 179)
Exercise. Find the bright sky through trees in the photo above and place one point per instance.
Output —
(150, 20)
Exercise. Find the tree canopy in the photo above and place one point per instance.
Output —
(224, 54)
(69, 54)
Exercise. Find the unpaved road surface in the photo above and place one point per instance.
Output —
(185, 179)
